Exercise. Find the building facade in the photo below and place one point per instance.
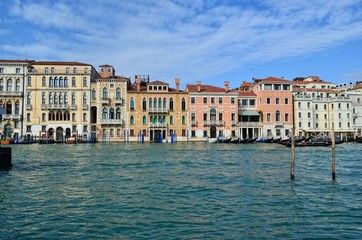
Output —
(13, 76)
(108, 105)
(156, 112)
(213, 111)
(57, 100)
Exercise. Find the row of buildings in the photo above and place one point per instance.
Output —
(58, 100)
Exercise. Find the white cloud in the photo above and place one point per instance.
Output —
(195, 39)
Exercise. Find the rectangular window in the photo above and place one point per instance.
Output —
(220, 116)
(299, 114)
(212, 100)
(16, 124)
(205, 99)
(46, 70)
(339, 105)
(74, 128)
(325, 116)
(67, 70)
(277, 87)
(308, 105)
(277, 101)
(1, 70)
(267, 100)
(220, 100)
(252, 102)
(17, 70)
(28, 128)
(300, 124)
(86, 70)
(267, 87)
(244, 102)
(192, 100)
(325, 106)
(286, 87)
(205, 116)
(299, 105)
(286, 101)
(309, 114)
(74, 70)
(205, 133)
(286, 117)
(232, 100)
(316, 116)
(193, 133)
(340, 125)
(316, 106)
(52, 69)
(316, 125)
(268, 117)
(43, 128)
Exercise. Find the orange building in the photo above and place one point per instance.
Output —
(213, 111)
(275, 101)
(156, 112)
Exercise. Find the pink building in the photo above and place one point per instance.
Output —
(275, 100)
(213, 111)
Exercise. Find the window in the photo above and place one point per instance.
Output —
(220, 116)
(332, 106)
(73, 118)
(104, 113)
(316, 106)
(300, 124)
(10, 85)
(183, 120)
(17, 86)
(144, 120)
(29, 81)
(1, 70)
(244, 102)
(85, 128)
(325, 116)
(28, 128)
(73, 98)
(43, 98)
(67, 70)
(84, 117)
(193, 116)
(232, 100)
(347, 105)
(299, 105)
(267, 87)
(340, 124)
(73, 82)
(286, 117)
(46, 70)
(316, 125)
(183, 104)
(131, 120)
(43, 82)
(111, 113)
(268, 117)
(316, 116)
(43, 128)
(220, 100)
(118, 113)
(277, 87)
(205, 99)
(192, 100)
(50, 98)
(52, 69)
(1, 85)
(105, 93)
(267, 100)
(74, 70)
(28, 99)
(339, 115)
(308, 105)
(171, 119)
(93, 94)
(277, 101)
(309, 114)
(325, 106)
(277, 116)
(144, 104)
(286, 87)
(84, 98)
(85, 70)
(118, 93)
(28, 117)
(252, 102)
(56, 82)
(171, 104)
(286, 101)
(131, 104)
(212, 100)
(300, 115)
(61, 82)
(85, 82)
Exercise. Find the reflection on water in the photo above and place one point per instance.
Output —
(180, 190)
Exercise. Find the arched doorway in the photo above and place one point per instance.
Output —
(67, 132)
(212, 132)
(9, 107)
(59, 134)
(8, 131)
(51, 133)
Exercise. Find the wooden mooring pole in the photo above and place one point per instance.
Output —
(333, 155)
(293, 156)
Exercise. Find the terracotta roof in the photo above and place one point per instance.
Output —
(157, 82)
(246, 94)
(105, 65)
(61, 63)
(271, 79)
(16, 61)
(204, 88)
(114, 77)
(246, 84)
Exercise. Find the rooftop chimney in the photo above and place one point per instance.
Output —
(226, 84)
(198, 86)
(138, 84)
(177, 82)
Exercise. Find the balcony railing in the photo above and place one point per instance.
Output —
(158, 125)
(158, 110)
(11, 94)
(112, 121)
(105, 101)
(43, 107)
(28, 106)
(193, 123)
(233, 123)
(214, 122)
(58, 106)
(119, 101)
(280, 124)
(11, 116)
(73, 107)
(85, 106)
(250, 124)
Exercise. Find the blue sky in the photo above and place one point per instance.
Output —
(207, 40)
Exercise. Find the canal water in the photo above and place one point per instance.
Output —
(179, 191)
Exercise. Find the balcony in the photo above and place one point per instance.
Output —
(279, 124)
(158, 110)
(158, 125)
(94, 100)
(119, 101)
(105, 101)
(11, 94)
(250, 124)
(214, 123)
(11, 116)
(112, 121)
(233, 123)
(193, 123)
(58, 106)
(85, 106)
(73, 107)
(43, 107)
(28, 106)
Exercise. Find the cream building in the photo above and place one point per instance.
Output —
(13, 75)
(108, 105)
(57, 100)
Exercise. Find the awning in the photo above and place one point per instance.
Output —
(248, 113)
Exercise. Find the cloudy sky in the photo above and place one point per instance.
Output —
(207, 40)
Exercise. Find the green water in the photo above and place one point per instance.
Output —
(180, 191)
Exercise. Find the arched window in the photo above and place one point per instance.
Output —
(50, 98)
(17, 108)
(150, 103)
(277, 116)
(151, 119)
(55, 98)
(1, 85)
(155, 103)
(17, 86)
(73, 98)
(28, 99)
(29, 81)
(73, 82)
(50, 82)
(131, 104)
(84, 98)
(183, 120)
(118, 113)
(60, 98)
(65, 98)
(56, 82)
(93, 93)
(164, 103)
(144, 104)
(183, 104)
(61, 82)
(28, 117)
(43, 81)
(131, 120)
(171, 104)
(104, 113)
(105, 93)
(66, 82)
(43, 98)
(159, 103)
(144, 120)
(43, 117)
(85, 82)
(10, 85)
(111, 113)
(213, 114)
(171, 119)
(118, 93)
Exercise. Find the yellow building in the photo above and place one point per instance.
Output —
(156, 111)
(108, 105)
(57, 99)
(13, 75)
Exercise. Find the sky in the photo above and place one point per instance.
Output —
(208, 40)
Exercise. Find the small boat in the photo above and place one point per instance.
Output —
(266, 140)
(359, 140)
(251, 140)
(314, 144)
(223, 140)
(238, 140)
(212, 140)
